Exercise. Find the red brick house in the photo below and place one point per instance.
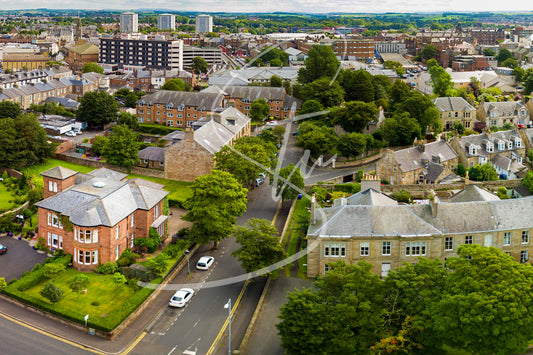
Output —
(96, 216)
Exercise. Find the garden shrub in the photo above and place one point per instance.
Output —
(402, 196)
(119, 279)
(127, 258)
(158, 264)
(79, 283)
(52, 269)
(53, 293)
(107, 268)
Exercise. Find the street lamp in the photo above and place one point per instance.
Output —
(228, 306)
(186, 253)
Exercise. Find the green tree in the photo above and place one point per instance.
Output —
(97, 108)
(358, 86)
(460, 170)
(122, 147)
(92, 68)
(400, 129)
(503, 54)
(275, 81)
(158, 264)
(131, 99)
(321, 61)
(484, 172)
(519, 73)
(351, 144)
(342, 316)
(238, 163)
(318, 139)
(487, 302)
(79, 283)
(510, 63)
(431, 63)
(218, 198)
(3, 283)
(276, 62)
(199, 65)
(260, 246)
(441, 81)
(98, 145)
(487, 52)
(528, 181)
(323, 90)
(423, 110)
(528, 81)
(51, 292)
(9, 109)
(294, 176)
(174, 85)
(128, 119)
(31, 143)
(399, 91)
(120, 279)
(279, 131)
(259, 110)
(429, 52)
(8, 146)
(354, 116)
(311, 106)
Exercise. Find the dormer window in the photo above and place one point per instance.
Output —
(490, 147)
(246, 100)
(169, 106)
(518, 142)
(501, 146)
(472, 150)
(510, 145)
(181, 107)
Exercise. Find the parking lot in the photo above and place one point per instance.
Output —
(20, 257)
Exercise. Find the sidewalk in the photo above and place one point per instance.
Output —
(264, 338)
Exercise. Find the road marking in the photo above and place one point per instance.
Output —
(189, 352)
(225, 325)
(171, 351)
(195, 324)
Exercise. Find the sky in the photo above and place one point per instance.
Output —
(307, 6)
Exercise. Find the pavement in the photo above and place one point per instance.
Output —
(265, 338)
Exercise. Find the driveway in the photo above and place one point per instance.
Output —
(20, 257)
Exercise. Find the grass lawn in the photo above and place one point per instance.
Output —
(5, 197)
(179, 190)
(293, 233)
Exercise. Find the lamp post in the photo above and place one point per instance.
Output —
(186, 253)
(228, 306)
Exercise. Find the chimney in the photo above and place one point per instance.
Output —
(434, 203)
(216, 117)
(342, 201)
(369, 181)
(419, 144)
(313, 210)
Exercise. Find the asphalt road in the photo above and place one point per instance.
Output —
(193, 329)
(20, 257)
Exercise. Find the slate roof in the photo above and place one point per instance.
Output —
(59, 172)
(473, 193)
(445, 104)
(213, 135)
(371, 197)
(411, 158)
(255, 92)
(102, 198)
(480, 141)
(153, 154)
(413, 220)
(208, 101)
(63, 101)
(504, 108)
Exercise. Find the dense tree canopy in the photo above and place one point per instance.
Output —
(122, 147)
(97, 108)
(218, 198)
(400, 129)
(354, 116)
(358, 86)
(317, 138)
(260, 246)
(92, 68)
(174, 85)
(351, 144)
(321, 61)
(199, 65)
(328, 93)
(259, 110)
(9, 109)
(441, 81)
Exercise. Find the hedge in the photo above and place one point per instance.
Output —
(154, 128)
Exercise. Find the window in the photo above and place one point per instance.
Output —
(132, 240)
(326, 268)
(525, 237)
(407, 248)
(415, 248)
(95, 256)
(448, 243)
(524, 256)
(55, 221)
(469, 239)
(50, 186)
(156, 211)
(507, 238)
(386, 248)
(132, 219)
(117, 231)
(326, 249)
(117, 252)
(365, 248)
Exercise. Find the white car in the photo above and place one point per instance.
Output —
(181, 297)
(272, 123)
(205, 262)
(70, 134)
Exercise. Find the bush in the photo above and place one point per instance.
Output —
(52, 269)
(3, 283)
(107, 268)
(53, 293)
(157, 129)
(150, 244)
(79, 283)
(352, 188)
(119, 279)
(95, 303)
(41, 245)
(402, 196)
(158, 264)
(127, 258)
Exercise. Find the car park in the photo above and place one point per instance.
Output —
(205, 262)
(3, 249)
(181, 297)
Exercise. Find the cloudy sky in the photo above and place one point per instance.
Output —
(309, 6)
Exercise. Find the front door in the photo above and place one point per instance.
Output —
(385, 267)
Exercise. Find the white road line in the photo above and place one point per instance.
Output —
(195, 324)
(171, 351)
(189, 352)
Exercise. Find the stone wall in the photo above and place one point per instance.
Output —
(186, 160)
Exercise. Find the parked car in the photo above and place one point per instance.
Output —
(3, 249)
(181, 297)
(70, 134)
(205, 262)
(77, 131)
(259, 182)
(272, 123)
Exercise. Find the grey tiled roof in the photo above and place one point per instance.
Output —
(452, 104)
(504, 108)
(371, 197)
(481, 139)
(411, 158)
(473, 193)
(153, 154)
(103, 200)
(433, 171)
(176, 98)
(59, 172)
(107, 173)
(255, 92)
